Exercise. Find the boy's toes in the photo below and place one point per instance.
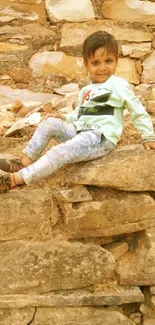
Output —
(5, 182)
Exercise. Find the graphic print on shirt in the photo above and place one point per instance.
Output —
(94, 102)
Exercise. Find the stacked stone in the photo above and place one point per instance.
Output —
(81, 253)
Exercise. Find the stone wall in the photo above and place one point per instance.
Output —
(78, 248)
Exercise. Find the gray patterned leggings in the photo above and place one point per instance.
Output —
(74, 147)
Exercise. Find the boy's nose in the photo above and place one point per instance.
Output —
(102, 67)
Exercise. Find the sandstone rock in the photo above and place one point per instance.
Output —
(148, 75)
(127, 70)
(8, 15)
(121, 170)
(40, 267)
(147, 310)
(57, 63)
(9, 143)
(138, 268)
(20, 44)
(117, 249)
(153, 94)
(136, 50)
(130, 10)
(151, 106)
(68, 88)
(116, 296)
(78, 193)
(69, 10)
(148, 321)
(121, 31)
(16, 316)
(25, 214)
(80, 316)
(8, 95)
(111, 214)
(27, 8)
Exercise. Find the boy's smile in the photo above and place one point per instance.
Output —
(101, 65)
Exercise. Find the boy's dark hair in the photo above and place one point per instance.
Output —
(99, 39)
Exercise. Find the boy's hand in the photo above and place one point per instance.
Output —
(149, 145)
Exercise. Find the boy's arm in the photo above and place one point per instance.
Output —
(140, 117)
(73, 116)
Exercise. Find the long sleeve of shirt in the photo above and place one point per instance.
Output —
(101, 106)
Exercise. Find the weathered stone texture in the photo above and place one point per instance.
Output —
(16, 316)
(40, 267)
(129, 10)
(138, 268)
(69, 10)
(26, 214)
(115, 213)
(29, 9)
(121, 170)
(117, 296)
(80, 316)
(148, 75)
(57, 63)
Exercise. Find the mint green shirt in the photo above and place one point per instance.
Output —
(101, 106)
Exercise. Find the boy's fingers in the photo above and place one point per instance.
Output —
(149, 145)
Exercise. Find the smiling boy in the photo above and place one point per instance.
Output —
(93, 129)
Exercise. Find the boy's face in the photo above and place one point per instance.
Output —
(101, 65)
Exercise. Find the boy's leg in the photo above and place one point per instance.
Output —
(84, 146)
(51, 127)
(47, 129)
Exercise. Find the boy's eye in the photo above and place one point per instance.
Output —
(95, 63)
(109, 61)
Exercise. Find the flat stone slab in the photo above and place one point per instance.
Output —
(80, 316)
(39, 267)
(112, 213)
(26, 214)
(118, 296)
(124, 169)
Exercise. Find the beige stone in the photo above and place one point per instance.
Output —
(148, 321)
(26, 214)
(7, 47)
(129, 10)
(136, 50)
(40, 267)
(80, 316)
(117, 249)
(121, 31)
(8, 15)
(138, 268)
(147, 310)
(115, 213)
(8, 95)
(57, 63)
(152, 290)
(78, 193)
(148, 75)
(29, 7)
(153, 93)
(22, 316)
(127, 70)
(151, 106)
(121, 170)
(69, 10)
(111, 296)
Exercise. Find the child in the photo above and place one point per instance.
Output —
(93, 129)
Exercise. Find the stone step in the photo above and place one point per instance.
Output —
(28, 267)
(107, 297)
